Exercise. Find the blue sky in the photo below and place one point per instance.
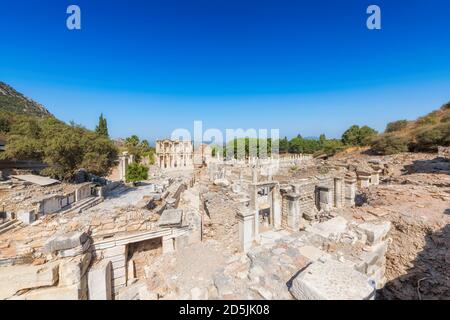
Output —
(306, 67)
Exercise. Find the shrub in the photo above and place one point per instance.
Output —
(136, 172)
(396, 126)
(430, 139)
(331, 147)
(5, 124)
(389, 144)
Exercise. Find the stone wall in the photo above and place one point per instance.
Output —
(444, 152)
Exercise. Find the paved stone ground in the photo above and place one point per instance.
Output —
(208, 270)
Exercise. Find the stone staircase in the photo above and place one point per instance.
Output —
(80, 206)
(9, 225)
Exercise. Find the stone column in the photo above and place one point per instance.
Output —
(350, 191)
(293, 212)
(338, 192)
(254, 175)
(254, 208)
(276, 207)
(376, 177)
(363, 179)
(245, 218)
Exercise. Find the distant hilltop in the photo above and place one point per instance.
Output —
(17, 103)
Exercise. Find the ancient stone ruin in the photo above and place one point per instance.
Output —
(273, 228)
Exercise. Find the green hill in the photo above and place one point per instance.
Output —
(16, 103)
(33, 133)
(424, 134)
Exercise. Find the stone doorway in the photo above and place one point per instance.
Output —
(141, 254)
(266, 204)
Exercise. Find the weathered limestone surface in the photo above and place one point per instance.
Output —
(331, 280)
(313, 253)
(171, 217)
(15, 278)
(72, 270)
(55, 293)
(65, 241)
(334, 226)
(168, 245)
(222, 182)
(136, 291)
(100, 281)
(246, 219)
(26, 217)
(375, 232)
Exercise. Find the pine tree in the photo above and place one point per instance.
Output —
(102, 127)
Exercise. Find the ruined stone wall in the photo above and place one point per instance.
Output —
(444, 152)
(306, 191)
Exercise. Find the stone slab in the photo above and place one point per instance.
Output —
(55, 293)
(375, 232)
(39, 180)
(312, 253)
(15, 278)
(171, 218)
(336, 226)
(331, 280)
(65, 241)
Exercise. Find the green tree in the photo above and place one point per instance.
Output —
(356, 136)
(322, 139)
(366, 135)
(351, 136)
(136, 172)
(284, 145)
(102, 127)
(140, 149)
(65, 148)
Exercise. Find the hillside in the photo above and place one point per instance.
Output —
(16, 103)
(31, 132)
(424, 134)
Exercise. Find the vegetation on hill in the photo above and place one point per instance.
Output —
(32, 133)
(65, 148)
(297, 145)
(424, 134)
(16, 103)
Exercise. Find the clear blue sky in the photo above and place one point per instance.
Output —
(306, 67)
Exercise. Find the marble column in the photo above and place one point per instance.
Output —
(276, 208)
(338, 192)
(350, 191)
(293, 211)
